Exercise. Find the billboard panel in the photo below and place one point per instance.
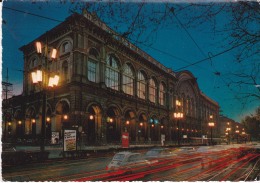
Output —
(70, 140)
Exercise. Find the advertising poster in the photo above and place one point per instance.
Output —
(70, 140)
(55, 137)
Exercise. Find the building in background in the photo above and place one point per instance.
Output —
(232, 131)
(107, 86)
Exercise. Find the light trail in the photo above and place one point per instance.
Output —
(142, 174)
(197, 166)
(250, 172)
(216, 168)
(236, 169)
(214, 164)
(156, 170)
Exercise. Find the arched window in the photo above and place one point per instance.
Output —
(162, 94)
(152, 90)
(65, 47)
(93, 65)
(112, 73)
(65, 72)
(33, 63)
(128, 80)
(141, 85)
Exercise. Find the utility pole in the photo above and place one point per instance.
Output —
(7, 91)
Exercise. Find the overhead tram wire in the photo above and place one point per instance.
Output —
(187, 32)
(179, 69)
(213, 55)
(202, 52)
(40, 16)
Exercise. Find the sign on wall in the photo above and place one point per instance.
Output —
(55, 136)
(70, 140)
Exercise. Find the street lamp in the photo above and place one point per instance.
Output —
(42, 77)
(237, 132)
(178, 116)
(211, 125)
(228, 133)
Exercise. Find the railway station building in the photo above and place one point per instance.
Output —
(106, 86)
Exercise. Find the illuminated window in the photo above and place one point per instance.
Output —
(162, 94)
(152, 90)
(128, 80)
(141, 85)
(112, 73)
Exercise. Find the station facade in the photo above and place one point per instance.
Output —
(107, 86)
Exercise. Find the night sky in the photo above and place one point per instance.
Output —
(174, 46)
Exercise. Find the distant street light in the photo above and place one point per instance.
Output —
(211, 125)
(228, 134)
(178, 116)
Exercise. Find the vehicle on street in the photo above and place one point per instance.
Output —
(127, 161)
(187, 150)
(159, 153)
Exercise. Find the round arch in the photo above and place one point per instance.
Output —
(130, 123)
(113, 124)
(154, 125)
(94, 52)
(92, 124)
(62, 110)
(30, 121)
(62, 42)
(142, 131)
(19, 124)
(117, 59)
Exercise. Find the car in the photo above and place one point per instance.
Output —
(159, 153)
(187, 150)
(127, 161)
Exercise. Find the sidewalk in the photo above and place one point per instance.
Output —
(56, 150)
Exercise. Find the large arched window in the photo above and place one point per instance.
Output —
(152, 90)
(128, 80)
(112, 73)
(141, 85)
(93, 65)
(162, 94)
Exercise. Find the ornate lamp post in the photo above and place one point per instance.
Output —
(178, 116)
(211, 125)
(43, 78)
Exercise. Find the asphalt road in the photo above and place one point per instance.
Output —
(209, 163)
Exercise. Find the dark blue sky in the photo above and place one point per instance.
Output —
(172, 45)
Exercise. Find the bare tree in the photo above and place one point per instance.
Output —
(252, 124)
(238, 23)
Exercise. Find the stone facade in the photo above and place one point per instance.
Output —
(107, 86)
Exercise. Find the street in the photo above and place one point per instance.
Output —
(206, 163)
